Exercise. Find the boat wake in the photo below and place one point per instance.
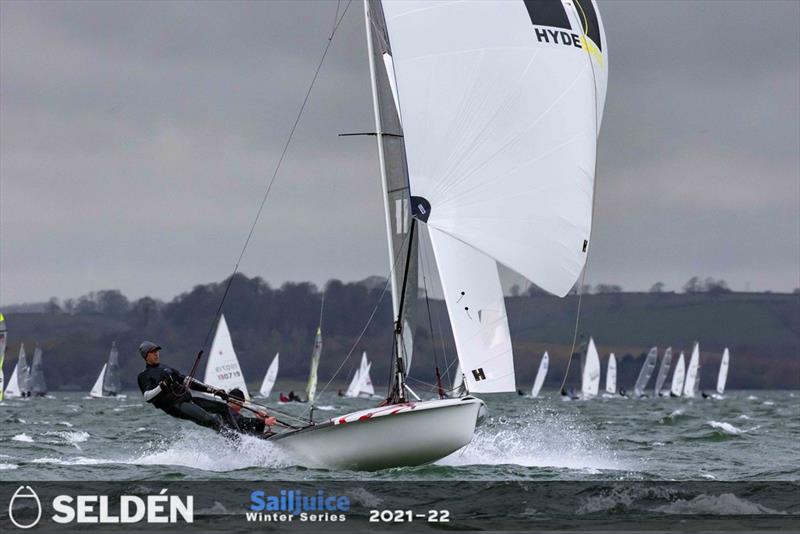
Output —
(537, 440)
(725, 504)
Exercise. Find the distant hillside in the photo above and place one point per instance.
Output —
(761, 330)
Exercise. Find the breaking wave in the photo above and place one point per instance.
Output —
(726, 428)
(8, 467)
(23, 437)
(537, 440)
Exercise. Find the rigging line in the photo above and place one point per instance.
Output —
(594, 196)
(275, 173)
(369, 320)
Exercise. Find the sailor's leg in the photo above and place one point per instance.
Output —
(192, 412)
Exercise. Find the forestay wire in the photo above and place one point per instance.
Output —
(337, 21)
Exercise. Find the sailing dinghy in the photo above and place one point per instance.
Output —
(722, 377)
(19, 383)
(645, 373)
(108, 383)
(663, 372)
(486, 130)
(691, 387)
(269, 378)
(361, 384)
(541, 374)
(590, 377)
(611, 377)
(222, 368)
(678, 377)
(38, 384)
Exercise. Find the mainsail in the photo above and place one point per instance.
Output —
(13, 391)
(269, 378)
(24, 379)
(394, 175)
(690, 386)
(500, 125)
(678, 377)
(590, 383)
(646, 372)
(723, 371)
(97, 388)
(222, 367)
(38, 383)
(611, 375)
(3, 341)
(311, 387)
(112, 384)
(663, 370)
(541, 374)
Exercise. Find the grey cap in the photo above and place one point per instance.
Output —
(147, 347)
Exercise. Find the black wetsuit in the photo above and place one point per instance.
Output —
(175, 398)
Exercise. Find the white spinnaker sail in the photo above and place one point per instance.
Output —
(678, 377)
(270, 377)
(690, 385)
(723, 371)
(611, 375)
(646, 372)
(12, 390)
(222, 368)
(541, 374)
(500, 121)
(311, 387)
(663, 371)
(97, 388)
(590, 381)
(477, 313)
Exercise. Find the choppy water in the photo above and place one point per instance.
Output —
(746, 436)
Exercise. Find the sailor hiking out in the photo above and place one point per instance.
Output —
(169, 390)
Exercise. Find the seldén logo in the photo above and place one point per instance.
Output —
(99, 509)
(22, 498)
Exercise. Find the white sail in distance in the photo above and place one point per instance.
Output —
(112, 384)
(270, 377)
(678, 377)
(646, 372)
(722, 378)
(541, 374)
(38, 384)
(311, 387)
(590, 379)
(222, 367)
(611, 375)
(355, 384)
(500, 121)
(365, 387)
(97, 388)
(663, 370)
(692, 373)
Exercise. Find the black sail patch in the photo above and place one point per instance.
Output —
(420, 208)
(548, 13)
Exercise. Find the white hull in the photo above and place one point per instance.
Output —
(370, 439)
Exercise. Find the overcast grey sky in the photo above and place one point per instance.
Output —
(136, 140)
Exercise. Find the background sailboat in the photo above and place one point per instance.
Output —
(108, 383)
(19, 383)
(663, 372)
(38, 384)
(361, 384)
(222, 367)
(541, 374)
(722, 377)
(269, 378)
(678, 377)
(311, 387)
(611, 377)
(590, 378)
(645, 372)
(691, 385)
